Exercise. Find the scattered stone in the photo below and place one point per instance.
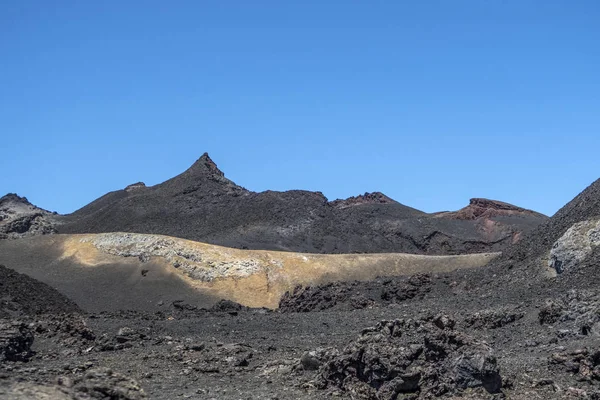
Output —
(493, 319)
(550, 312)
(585, 363)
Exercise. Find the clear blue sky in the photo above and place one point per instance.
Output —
(430, 102)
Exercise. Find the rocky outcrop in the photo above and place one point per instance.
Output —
(179, 253)
(417, 358)
(575, 245)
(535, 247)
(485, 208)
(20, 218)
(583, 363)
(15, 341)
(135, 186)
(355, 295)
(576, 314)
(367, 198)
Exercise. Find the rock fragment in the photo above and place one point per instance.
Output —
(16, 339)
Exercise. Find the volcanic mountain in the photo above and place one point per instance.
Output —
(201, 204)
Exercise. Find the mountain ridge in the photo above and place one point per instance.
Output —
(202, 204)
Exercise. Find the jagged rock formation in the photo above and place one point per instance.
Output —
(367, 198)
(575, 245)
(355, 295)
(416, 358)
(201, 204)
(135, 186)
(19, 218)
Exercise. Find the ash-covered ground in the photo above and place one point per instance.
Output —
(408, 338)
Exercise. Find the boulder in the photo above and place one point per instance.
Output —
(575, 245)
(15, 341)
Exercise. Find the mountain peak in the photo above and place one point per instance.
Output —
(14, 198)
(206, 164)
(493, 204)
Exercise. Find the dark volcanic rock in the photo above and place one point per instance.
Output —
(70, 330)
(400, 289)
(495, 337)
(354, 295)
(135, 186)
(419, 357)
(367, 198)
(485, 208)
(20, 218)
(584, 363)
(228, 306)
(15, 341)
(202, 204)
(576, 313)
(22, 295)
(103, 383)
(539, 241)
(493, 319)
(323, 297)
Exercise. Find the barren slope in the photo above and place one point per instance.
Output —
(22, 295)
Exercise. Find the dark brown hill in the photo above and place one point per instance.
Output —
(202, 204)
(485, 208)
(22, 295)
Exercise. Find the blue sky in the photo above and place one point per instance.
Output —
(430, 102)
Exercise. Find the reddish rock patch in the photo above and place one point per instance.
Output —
(485, 208)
